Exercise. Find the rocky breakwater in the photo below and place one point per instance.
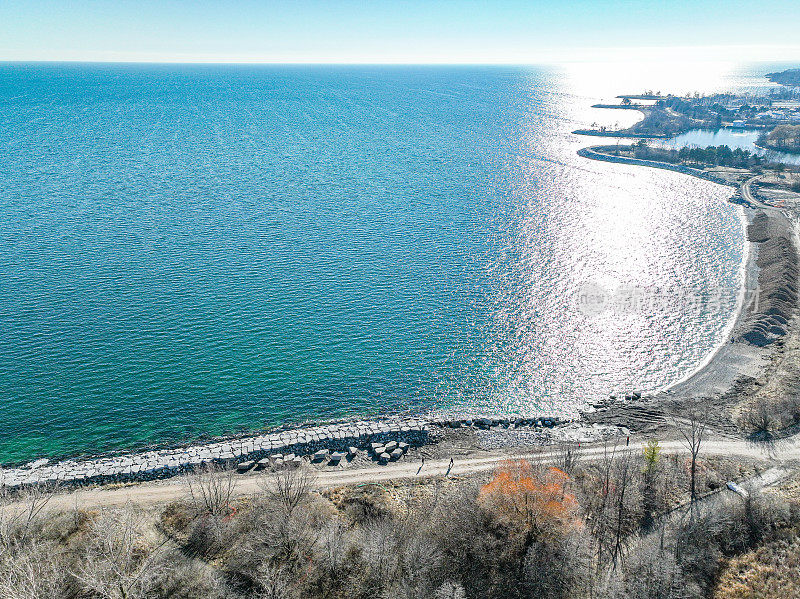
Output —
(606, 154)
(777, 296)
(307, 443)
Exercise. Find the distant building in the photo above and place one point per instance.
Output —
(738, 124)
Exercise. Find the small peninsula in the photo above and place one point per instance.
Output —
(789, 77)
(670, 115)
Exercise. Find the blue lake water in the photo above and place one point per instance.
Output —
(734, 138)
(195, 250)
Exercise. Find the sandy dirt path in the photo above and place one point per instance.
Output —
(154, 493)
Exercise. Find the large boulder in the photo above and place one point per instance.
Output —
(245, 466)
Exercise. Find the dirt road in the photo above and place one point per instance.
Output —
(155, 493)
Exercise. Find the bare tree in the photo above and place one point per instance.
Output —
(568, 456)
(623, 478)
(759, 420)
(599, 504)
(280, 527)
(288, 487)
(693, 432)
(211, 489)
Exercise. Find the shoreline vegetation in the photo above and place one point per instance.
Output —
(783, 138)
(603, 522)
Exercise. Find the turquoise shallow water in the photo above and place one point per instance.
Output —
(191, 250)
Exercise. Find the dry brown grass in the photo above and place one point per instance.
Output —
(764, 573)
(790, 488)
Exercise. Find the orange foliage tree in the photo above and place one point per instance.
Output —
(531, 501)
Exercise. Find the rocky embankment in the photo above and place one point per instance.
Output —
(777, 280)
(325, 443)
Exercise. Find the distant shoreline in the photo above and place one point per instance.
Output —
(794, 151)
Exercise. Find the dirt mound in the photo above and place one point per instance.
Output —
(777, 281)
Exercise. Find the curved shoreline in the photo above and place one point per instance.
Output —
(734, 357)
(717, 373)
(592, 153)
(793, 153)
(748, 272)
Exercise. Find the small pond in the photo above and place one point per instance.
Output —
(734, 138)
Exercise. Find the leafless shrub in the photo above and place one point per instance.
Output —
(558, 567)
(288, 487)
(120, 556)
(363, 503)
(19, 519)
(334, 545)
(266, 533)
(759, 420)
(209, 535)
(419, 561)
(186, 578)
(700, 541)
(37, 571)
(760, 514)
(380, 541)
(650, 572)
(211, 489)
(458, 527)
(273, 583)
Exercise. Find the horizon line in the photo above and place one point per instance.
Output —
(371, 63)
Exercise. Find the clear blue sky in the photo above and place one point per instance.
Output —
(396, 31)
